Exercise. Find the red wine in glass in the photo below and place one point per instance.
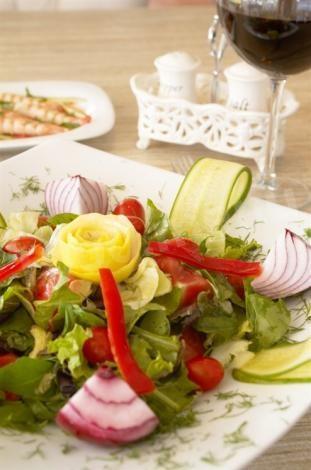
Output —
(274, 36)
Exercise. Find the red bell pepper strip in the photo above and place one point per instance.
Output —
(28, 250)
(120, 347)
(187, 251)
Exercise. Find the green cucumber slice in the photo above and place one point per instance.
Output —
(210, 194)
(290, 362)
(300, 374)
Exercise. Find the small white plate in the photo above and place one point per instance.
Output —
(237, 421)
(92, 99)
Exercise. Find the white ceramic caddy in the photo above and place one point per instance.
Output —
(92, 99)
(237, 421)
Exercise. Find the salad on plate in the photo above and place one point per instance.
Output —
(115, 316)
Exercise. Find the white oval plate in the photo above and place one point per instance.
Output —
(235, 422)
(92, 99)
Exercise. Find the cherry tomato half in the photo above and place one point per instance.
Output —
(192, 343)
(97, 348)
(134, 211)
(206, 372)
(47, 280)
(189, 281)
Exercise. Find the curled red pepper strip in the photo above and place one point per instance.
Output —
(27, 249)
(187, 251)
(117, 335)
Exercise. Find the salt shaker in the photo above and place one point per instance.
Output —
(177, 73)
(248, 88)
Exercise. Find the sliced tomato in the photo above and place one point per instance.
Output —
(192, 343)
(97, 348)
(45, 284)
(206, 372)
(134, 211)
(189, 281)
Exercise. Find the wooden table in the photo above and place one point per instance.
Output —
(107, 48)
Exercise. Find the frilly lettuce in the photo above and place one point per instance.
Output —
(23, 224)
(147, 282)
(68, 350)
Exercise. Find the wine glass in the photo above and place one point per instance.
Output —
(274, 36)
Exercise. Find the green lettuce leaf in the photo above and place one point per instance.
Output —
(158, 225)
(68, 315)
(15, 331)
(223, 290)
(167, 346)
(60, 297)
(13, 296)
(218, 319)
(150, 360)
(68, 350)
(64, 218)
(237, 248)
(30, 415)
(17, 415)
(173, 395)
(171, 301)
(133, 315)
(157, 355)
(269, 320)
(156, 322)
(25, 376)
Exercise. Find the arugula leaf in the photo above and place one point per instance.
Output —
(222, 288)
(218, 319)
(64, 218)
(172, 395)
(68, 315)
(24, 376)
(45, 411)
(150, 360)
(60, 297)
(133, 315)
(237, 248)
(167, 346)
(269, 320)
(156, 322)
(158, 225)
(171, 301)
(69, 353)
(17, 415)
(15, 331)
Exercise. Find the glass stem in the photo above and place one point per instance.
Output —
(268, 174)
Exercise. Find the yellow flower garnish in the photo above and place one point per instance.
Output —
(94, 241)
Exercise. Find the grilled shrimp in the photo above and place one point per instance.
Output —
(47, 113)
(46, 110)
(13, 123)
